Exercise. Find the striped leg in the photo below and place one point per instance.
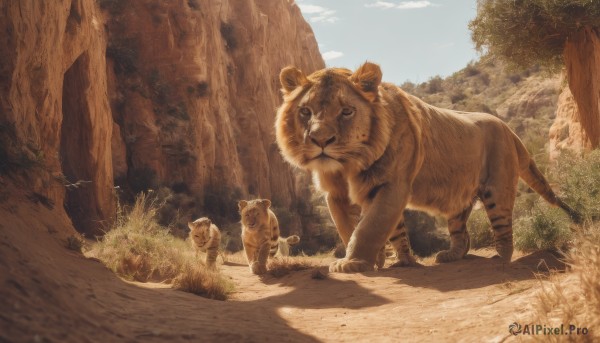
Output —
(274, 245)
(459, 238)
(499, 212)
(400, 242)
(260, 266)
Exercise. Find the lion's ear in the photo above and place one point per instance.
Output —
(291, 78)
(367, 79)
(266, 203)
(242, 204)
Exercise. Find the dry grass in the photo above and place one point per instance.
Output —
(138, 248)
(283, 265)
(199, 280)
(575, 300)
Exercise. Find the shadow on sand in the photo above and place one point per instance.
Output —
(475, 272)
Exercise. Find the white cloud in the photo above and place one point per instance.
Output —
(403, 5)
(332, 54)
(311, 9)
(318, 14)
(381, 4)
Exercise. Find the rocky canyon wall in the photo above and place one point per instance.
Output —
(567, 132)
(582, 59)
(55, 118)
(147, 94)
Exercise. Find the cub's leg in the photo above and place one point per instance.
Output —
(250, 254)
(260, 265)
(459, 237)
(211, 257)
(274, 242)
(400, 242)
(499, 211)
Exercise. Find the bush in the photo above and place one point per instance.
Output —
(544, 228)
(579, 178)
(457, 96)
(480, 230)
(435, 85)
(471, 69)
(138, 248)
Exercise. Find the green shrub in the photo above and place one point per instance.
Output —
(435, 85)
(480, 230)
(544, 228)
(579, 180)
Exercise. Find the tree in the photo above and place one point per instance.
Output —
(552, 33)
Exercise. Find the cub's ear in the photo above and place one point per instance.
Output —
(291, 78)
(191, 225)
(367, 79)
(266, 203)
(242, 204)
(208, 221)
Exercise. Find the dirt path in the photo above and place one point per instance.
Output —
(470, 300)
(49, 293)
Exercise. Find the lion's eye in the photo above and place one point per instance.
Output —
(305, 111)
(347, 112)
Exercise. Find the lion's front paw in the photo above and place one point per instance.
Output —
(405, 260)
(350, 266)
(258, 268)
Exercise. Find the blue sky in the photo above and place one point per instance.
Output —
(411, 40)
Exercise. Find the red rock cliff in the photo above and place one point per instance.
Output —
(149, 93)
(55, 114)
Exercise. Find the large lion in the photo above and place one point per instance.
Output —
(371, 144)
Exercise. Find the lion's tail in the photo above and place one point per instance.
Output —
(292, 240)
(536, 180)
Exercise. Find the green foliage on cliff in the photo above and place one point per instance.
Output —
(529, 32)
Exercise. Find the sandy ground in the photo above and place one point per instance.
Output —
(51, 294)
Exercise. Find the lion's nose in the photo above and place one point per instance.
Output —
(322, 141)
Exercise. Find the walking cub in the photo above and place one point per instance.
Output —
(205, 237)
(260, 234)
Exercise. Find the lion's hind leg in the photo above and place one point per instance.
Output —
(459, 238)
(400, 242)
(499, 211)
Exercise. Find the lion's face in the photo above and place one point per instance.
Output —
(330, 119)
(200, 231)
(254, 212)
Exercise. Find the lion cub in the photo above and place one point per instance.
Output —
(205, 237)
(260, 234)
